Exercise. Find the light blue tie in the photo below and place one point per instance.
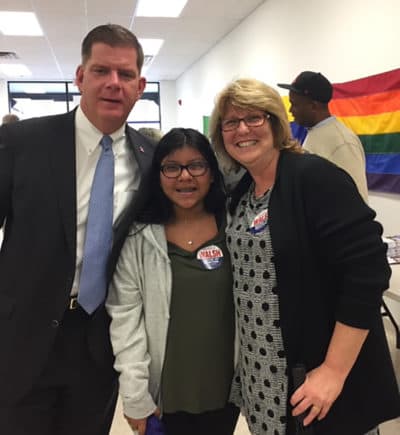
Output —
(98, 241)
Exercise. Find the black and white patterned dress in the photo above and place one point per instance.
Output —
(260, 382)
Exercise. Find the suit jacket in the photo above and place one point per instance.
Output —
(38, 255)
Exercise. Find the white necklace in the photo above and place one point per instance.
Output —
(190, 241)
(193, 226)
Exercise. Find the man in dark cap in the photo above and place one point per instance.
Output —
(309, 95)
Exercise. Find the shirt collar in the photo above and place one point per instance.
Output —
(91, 134)
(324, 121)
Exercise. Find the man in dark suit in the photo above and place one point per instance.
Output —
(56, 374)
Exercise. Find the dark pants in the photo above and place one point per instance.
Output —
(218, 422)
(73, 396)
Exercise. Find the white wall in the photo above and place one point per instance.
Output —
(344, 39)
(387, 207)
(169, 104)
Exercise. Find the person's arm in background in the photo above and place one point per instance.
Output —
(350, 157)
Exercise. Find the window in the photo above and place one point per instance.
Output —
(30, 99)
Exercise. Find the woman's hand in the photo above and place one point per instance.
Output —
(324, 384)
(317, 394)
(139, 424)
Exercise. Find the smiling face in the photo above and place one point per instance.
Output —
(186, 192)
(110, 84)
(252, 147)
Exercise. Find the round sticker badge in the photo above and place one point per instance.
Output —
(211, 256)
(260, 222)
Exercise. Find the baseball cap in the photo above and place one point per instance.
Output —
(311, 84)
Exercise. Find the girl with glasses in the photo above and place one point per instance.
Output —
(171, 299)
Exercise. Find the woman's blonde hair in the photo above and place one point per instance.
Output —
(254, 95)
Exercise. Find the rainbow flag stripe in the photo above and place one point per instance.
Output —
(371, 108)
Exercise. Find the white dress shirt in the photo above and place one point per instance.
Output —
(127, 177)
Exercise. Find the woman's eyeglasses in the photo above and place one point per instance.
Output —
(174, 170)
(250, 121)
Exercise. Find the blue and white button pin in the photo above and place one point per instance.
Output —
(260, 222)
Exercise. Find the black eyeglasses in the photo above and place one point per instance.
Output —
(250, 121)
(174, 170)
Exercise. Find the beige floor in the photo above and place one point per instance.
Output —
(120, 427)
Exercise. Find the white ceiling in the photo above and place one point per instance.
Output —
(65, 23)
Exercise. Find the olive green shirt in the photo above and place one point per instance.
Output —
(198, 367)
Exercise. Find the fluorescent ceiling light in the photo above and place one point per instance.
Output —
(160, 8)
(151, 46)
(15, 70)
(19, 24)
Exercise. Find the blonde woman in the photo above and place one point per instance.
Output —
(309, 272)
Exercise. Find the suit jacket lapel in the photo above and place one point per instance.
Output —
(63, 162)
(142, 149)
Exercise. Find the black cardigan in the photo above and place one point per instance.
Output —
(331, 266)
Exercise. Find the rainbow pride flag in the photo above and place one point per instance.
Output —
(370, 107)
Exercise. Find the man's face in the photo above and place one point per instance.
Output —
(110, 84)
(302, 108)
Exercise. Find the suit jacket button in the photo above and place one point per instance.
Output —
(55, 323)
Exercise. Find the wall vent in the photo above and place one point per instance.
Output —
(8, 55)
(147, 60)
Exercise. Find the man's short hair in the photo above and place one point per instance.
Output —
(113, 35)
